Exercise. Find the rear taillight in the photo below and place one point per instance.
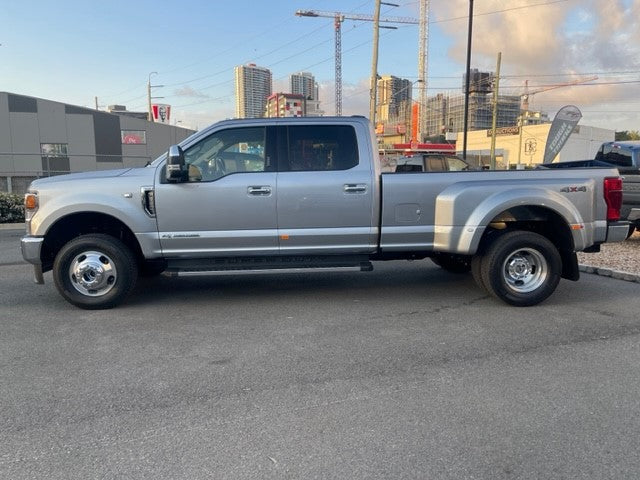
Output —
(613, 197)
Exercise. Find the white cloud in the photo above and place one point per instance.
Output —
(355, 97)
(187, 91)
(546, 43)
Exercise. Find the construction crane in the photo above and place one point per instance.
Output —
(338, 19)
(526, 94)
(423, 63)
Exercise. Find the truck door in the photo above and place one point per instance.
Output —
(325, 191)
(228, 204)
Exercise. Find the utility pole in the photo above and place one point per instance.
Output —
(149, 97)
(337, 22)
(96, 99)
(374, 63)
(495, 113)
(521, 128)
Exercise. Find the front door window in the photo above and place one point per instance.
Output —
(225, 152)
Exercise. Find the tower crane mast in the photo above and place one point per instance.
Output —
(338, 19)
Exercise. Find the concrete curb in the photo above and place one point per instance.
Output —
(607, 272)
(12, 226)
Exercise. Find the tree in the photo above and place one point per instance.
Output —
(628, 135)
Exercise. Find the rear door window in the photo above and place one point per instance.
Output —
(321, 148)
(619, 156)
(435, 164)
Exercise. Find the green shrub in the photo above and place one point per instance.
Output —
(11, 208)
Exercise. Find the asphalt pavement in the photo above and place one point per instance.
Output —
(406, 372)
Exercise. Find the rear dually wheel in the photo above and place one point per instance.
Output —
(521, 268)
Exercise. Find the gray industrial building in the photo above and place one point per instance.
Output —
(42, 138)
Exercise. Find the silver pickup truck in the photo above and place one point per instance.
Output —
(307, 193)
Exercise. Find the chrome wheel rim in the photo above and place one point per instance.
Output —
(525, 270)
(93, 273)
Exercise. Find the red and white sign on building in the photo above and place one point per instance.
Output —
(161, 112)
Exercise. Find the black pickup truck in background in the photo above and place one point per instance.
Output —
(625, 156)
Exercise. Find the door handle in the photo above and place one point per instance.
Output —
(354, 188)
(259, 190)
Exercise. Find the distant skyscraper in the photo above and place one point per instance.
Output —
(253, 86)
(394, 99)
(304, 83)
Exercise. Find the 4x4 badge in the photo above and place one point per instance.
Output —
(573, 189)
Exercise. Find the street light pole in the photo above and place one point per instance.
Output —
(149, 97)
(467, 82)
(149, 112)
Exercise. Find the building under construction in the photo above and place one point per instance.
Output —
(445, 112)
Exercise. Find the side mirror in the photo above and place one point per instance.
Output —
(176, 171)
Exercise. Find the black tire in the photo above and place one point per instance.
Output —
(521, 268)
(452, 263)
(476, 271)
(632, 229)
(95, 271)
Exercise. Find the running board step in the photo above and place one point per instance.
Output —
(252, 265)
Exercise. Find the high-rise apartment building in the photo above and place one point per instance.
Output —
(394, 100)
(253, 86)
(304, 83)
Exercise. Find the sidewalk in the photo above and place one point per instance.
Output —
(12, 226)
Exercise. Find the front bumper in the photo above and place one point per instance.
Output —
(31, 247)
(617, 231)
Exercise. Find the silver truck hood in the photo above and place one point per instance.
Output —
(95, 175)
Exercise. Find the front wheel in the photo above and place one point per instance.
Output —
(95, 271)
(521, 268)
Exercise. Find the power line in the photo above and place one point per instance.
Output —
(279, 47)
(277, 78)
(493, 12)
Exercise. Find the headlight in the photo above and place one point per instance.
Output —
(30, 202)
(30, 208)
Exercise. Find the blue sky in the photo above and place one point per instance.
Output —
(72, 51)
